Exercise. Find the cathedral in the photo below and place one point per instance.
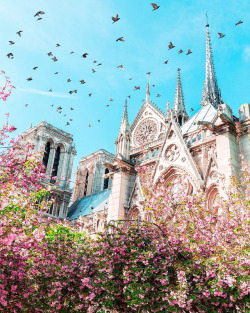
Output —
(107, 187)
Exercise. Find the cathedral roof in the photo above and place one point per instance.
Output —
(89, 204)
(207, 113)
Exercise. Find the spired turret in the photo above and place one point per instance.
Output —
(124, 137)
(180, 114)
(211, 91)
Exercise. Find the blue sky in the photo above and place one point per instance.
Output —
(86, 26)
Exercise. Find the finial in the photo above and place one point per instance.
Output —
(207, 25)
(147, 93)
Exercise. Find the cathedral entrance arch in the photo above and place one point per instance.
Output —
(177, 181)
(213, 199)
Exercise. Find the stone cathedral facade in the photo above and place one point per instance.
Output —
(59, 151)
(201, 147)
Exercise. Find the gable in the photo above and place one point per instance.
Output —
(149, 125)
(176, 155)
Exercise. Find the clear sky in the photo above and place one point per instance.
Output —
(85, 26)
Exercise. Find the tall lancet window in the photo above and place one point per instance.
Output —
(56, 164)
(46, 155)
(86, 184)
(106, 180)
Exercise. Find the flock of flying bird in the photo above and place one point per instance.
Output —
(84, 55)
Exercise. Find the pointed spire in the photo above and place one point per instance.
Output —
(147, 94)
(179, 111)
(211, 91)
(123, 140)
(179, 99)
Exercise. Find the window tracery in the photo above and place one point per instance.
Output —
(145, 132)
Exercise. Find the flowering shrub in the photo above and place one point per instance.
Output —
(190, 260)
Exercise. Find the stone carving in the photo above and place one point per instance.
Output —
(145, 132)
(172, 153)
(213, 175)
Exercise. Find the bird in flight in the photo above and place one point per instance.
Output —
(189, 52)
(191, 109)
(115, 19)
(56, 73)
(26, 105)
(93, 70)
(143, 100)
(166, 62)
(50, 90)
(71, 91)
(82, 81)
(158, 95)
(98, 121)
(39, 19)
(238, 23)
(107, 105)
(110, 99)
(50, 54)
(67, 124)
(148, 73)
(54, 59)
(58, 45)
(71, 119)
(155, 6)
(71, 109)
(130, 78)
(68, 80)
(137, 88)
(39, 13)
(180, 51)
(95, 61)
(221, 35)
(19, 33)
(170, 46)
(75, 91)
(120, 66)
(11, 42)
(85, 55)
(52, 105)
(153, 85)
(90, 94)
(59, 108)
(72, 52)
(34, 68)
(99, 64)
(129, 96)
(10, 55)
(29, 79)
(120, 39)
(89, 125)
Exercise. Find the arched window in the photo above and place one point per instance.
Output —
(56, 164)
(106, 180)
(46, 155)
(86, 184)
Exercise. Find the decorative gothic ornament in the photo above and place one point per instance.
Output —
(145, 132)
(172, 153)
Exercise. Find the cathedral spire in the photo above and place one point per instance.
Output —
(179, 106)
(147, 94)
(123, 140)
(211, 91)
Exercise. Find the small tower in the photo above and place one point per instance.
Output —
(180, 113)
(124, 137)
(211, 91)
(123, 172)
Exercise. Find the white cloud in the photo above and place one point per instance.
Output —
(46, 93)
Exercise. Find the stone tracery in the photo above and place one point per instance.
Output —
(145, 132)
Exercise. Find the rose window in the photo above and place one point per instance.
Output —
(145, 132)
(172, 153)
